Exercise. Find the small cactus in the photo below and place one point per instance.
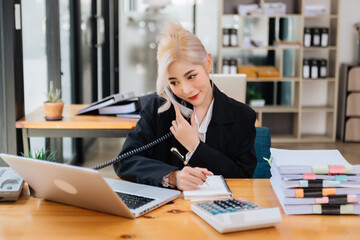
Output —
(52, 96)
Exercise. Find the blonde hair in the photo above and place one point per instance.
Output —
(176, 44)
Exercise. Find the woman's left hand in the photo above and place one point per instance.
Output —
(187, 134)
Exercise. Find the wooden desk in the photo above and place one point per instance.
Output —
(35, 125)
(34, 218)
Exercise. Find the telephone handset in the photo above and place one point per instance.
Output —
(185, 111)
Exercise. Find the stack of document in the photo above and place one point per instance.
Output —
(315, 182)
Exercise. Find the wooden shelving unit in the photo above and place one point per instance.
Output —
(309, 108)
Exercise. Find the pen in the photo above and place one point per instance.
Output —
(181, 158)
(178, 155)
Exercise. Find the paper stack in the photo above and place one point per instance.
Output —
(315, 182)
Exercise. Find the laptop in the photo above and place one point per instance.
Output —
(85, 188)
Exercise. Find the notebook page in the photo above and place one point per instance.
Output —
(214, 187)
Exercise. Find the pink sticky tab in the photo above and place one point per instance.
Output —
(336, 169)
(309, 176)
(351, 198)
(322, 200)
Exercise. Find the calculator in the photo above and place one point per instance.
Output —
(236, 215)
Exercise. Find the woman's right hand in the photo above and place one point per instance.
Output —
(188, 178)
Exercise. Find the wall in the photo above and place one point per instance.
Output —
(348, 16)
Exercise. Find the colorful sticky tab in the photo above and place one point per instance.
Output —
(347, 209)
(328, 191)
(303, 183)
(299, 193)
(327, 183)
(309, 176)
(341, 178)
(351, 198)
(336, 169)
(322, 200)
(323, 169)
(349, 169)
(317, 209)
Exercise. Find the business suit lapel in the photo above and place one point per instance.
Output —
(218, 132)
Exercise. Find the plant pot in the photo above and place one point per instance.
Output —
(257, 102)
(53, 111)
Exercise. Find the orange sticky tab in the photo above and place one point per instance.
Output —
(328, 191)
(322, 200)
(336, 169)
(309, 176)
(299, 193)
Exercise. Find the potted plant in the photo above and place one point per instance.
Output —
(54, 105)
(255, 97)
(43, 154)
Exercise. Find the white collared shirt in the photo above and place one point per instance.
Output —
(202, 128)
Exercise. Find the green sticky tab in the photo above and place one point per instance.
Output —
(317, 209)
(348, 169)
(347, 209)
(304, 183)
(268, 160)
(341, 178)
(323, 169)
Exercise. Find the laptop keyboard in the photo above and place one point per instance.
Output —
(133, 201)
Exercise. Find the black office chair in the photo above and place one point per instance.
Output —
(262, 149)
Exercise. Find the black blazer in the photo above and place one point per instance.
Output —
(228, 149)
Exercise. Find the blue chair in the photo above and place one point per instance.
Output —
(262, 149)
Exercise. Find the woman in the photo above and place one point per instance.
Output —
(219, 139)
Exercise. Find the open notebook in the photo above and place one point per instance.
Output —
(215, 188)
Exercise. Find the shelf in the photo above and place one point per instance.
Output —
(326, 16)
(263, 15)
(272, 79)
(251, 48)
(280, 138)
(275, 109)
(316, 138)
(308, 113)
(320, 48)
(318, 79)
(317, 109)
(262, 48)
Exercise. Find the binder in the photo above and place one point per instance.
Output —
(105, 102)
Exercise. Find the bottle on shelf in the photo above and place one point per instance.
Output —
(306, 68)
(226, 37)
(315, 37)
(234, 37)
(324, 37)
(226, 66)
(307, 37)
(314, 69)
(233, 66)
(323, 68)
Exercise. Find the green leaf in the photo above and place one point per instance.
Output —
(43, 154)
(268, 160)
